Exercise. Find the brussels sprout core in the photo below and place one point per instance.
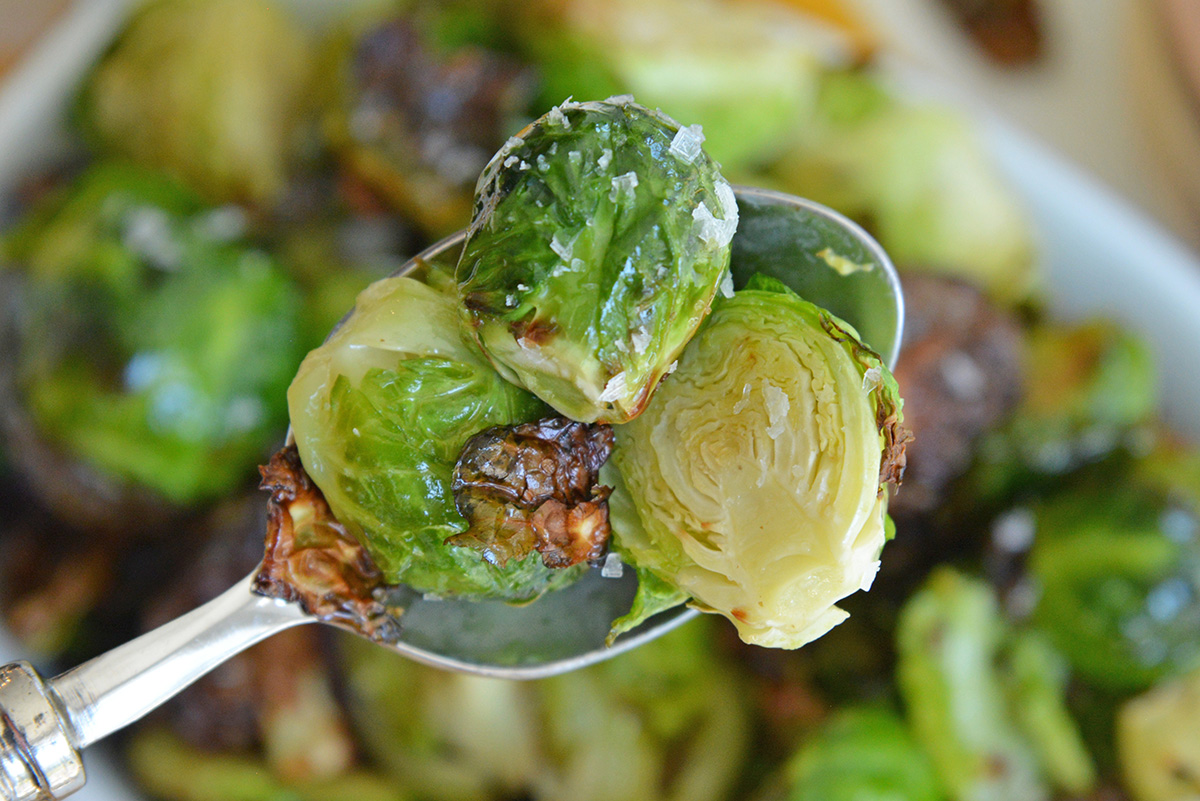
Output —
(600, 236)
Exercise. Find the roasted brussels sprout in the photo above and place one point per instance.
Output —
(968, 713)
(918, 177)
(1115, 556)
(862, 753)
(961, 370)
(665, 721)
(748, 72)
(381, 412)
(757, 471)
(418, 126)
(1090, 389)
(154, 343)
(601, 235)
(212, 91)
(1158, 734)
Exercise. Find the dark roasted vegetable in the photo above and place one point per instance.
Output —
(532, 487)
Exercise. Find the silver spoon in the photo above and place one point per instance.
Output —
(45, 724)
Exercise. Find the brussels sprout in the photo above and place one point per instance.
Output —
(171, 769)
(747, 72)
(381, 412)
(418, 126)
(1116, 557)
(213, 91)
(665, 721)
(862, 753)
(919, 177)
(600, 238)
(1158, 738)
(756, 472)
(155, 345)
(948, 639)
(1090, 390)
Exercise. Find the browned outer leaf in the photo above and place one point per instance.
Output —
(311, 559)
(532, 487)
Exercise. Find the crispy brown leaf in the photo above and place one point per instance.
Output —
(311, 559)
(532, 487)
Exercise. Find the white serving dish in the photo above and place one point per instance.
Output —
(1098, 254)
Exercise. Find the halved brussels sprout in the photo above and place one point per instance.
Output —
(154, 344)
(212, 91)
(381, 412)
(601, 235)
(757, 470)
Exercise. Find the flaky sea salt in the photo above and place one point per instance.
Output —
(727, 284)
(687, 143)
(613, 567)
(623, 187)
(778, 405)
(614, 389)
(605, 159)
(640, 339)
(563, 248)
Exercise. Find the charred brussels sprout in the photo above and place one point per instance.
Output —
(418, 126)
(155, 344)
(601, 235)
(757, 470)
(212, 91)
(381, 413)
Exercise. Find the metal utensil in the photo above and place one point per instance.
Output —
(45, 724)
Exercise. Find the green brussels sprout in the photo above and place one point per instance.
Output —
(155, 344)
(1116, 556)
(1158, 740)
(748, 71)
(1089, 390)
(664, 721)
(948, 639)
(757, 470)
(600, 237)
(918, 176)
(862, 753)
(171, 769)
(212, 91)
(381, 412)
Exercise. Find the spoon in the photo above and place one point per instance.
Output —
(44, 724)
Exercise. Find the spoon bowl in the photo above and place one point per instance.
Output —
(820, 254)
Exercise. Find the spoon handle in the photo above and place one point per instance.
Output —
(44, 724)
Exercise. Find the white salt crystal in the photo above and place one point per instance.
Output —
(778, 406)
(605, 159)
(563, 248)
(727, 284)
(641, 340)
(614, 389)
(686, 144)
(622, 187)
(613, 567)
